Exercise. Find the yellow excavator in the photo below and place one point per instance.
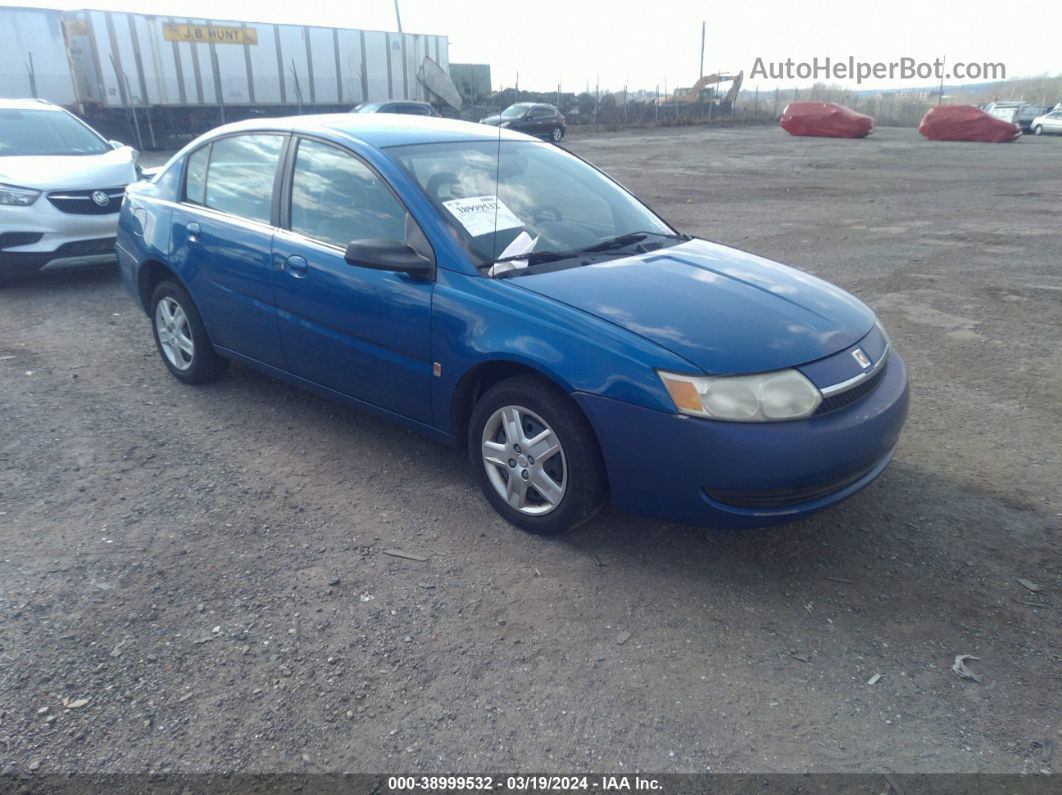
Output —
(706, 91)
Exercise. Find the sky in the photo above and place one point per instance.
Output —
(651, 43)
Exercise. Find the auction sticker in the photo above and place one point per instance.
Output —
(478, 214)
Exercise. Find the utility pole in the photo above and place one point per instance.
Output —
(32, 76)
(398, 17)
(704, 25)
(597, 97)
(940, 99)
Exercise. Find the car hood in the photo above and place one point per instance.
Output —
(721, 309)
(112, 169)
(491, 120)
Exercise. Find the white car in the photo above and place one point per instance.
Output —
(61, 186)
(1048, 123)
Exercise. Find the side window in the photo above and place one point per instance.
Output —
(195, 175)
(240, 176)
(335, 198)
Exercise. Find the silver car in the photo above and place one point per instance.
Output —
(61, 186)
(1048, 123)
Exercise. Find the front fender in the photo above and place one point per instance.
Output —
(477, 320)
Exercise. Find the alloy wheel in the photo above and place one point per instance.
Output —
(174, 333)
(524, 460)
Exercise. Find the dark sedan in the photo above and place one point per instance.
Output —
(533, 118)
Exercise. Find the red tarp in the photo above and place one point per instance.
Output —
(826, 119)
(966, 123)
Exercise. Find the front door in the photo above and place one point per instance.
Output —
(223, 237)
(361, 332)
(541, 121)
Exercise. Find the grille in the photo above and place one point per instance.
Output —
(80, 202)
(14, 239)
(781, 498)
(85, 248)
(853, 395)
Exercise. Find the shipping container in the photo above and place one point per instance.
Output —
(98, 60)
(36, 64)
(122, 60)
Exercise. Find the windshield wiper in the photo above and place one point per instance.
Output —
(533, 257)
(620, 241)
(630, 239)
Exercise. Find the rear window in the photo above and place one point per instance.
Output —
(195, 181)
(239, 175)
(46, 133)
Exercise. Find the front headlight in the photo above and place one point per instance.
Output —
(504, 123)
(763, 397)
(17, 197)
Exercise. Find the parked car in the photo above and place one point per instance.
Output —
(1014, 112)
(501, 295)
(533, 118)
(405, 106)
(61, 185)
(1049, 123)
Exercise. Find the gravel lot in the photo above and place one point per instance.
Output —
(196, 579)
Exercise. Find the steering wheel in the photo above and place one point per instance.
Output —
(436, 183)
(562, 236)
(550, 209)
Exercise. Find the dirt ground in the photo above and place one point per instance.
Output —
(196, 579)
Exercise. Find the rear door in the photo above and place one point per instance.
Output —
(223, 240)
(361, 332)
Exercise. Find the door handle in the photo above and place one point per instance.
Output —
(298, 266)
(193, 231)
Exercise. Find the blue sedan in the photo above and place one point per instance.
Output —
(502, 296)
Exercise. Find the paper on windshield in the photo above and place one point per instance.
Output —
(478, 213)
(522, 244)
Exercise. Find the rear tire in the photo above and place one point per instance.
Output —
(181, 337)
(513, 422)
(557, 135)
(1038, 129)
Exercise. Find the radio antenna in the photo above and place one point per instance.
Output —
(497, 188)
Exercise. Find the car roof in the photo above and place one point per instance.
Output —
(28, 104)
(379, 129)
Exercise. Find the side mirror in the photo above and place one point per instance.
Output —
(388, 255)
(115, 144)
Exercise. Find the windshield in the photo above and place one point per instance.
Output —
(46, 132)
(514, 111)
(548, 201)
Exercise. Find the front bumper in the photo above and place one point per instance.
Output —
(742, 475)
(59, 240)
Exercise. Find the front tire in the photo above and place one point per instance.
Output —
(535, 456)
(557, 135)
(1038, 129)
(181, 337)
